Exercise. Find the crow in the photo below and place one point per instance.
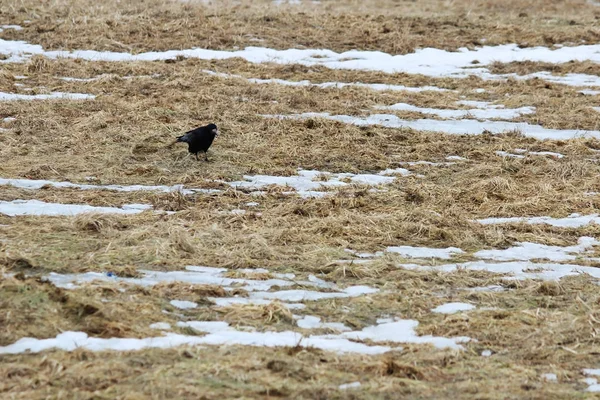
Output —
(199, 139)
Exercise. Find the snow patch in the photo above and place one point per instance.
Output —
(183, 304)
(36, 207)
(51, 96)
(451, 308)
(572, 221)
(452, 127)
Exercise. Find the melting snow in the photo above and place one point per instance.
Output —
(456, 64)
(15, 27)
(424, 252)
(36, 207)
(530, 251)
(347, 386)
(517, 269)
(307, 182)
(54, 95)
(312, 322)
(183, 304)
(165, 326)
(477, 113)
(331, 85)
(456, 127)
(451, 308)
(572, 221)
(403, 331)
(220, 333)
(35, 184)
(550, 377)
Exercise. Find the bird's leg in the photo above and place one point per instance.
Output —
(197, 157)
(206, 156)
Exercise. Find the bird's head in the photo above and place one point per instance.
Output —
(213, 129)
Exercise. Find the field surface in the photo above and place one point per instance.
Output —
(402, 201)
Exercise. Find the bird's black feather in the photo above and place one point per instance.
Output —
(199, 139)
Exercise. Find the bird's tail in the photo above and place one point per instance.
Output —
(177, 140)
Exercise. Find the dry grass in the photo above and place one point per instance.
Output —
(122, 137)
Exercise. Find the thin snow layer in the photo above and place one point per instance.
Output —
(451, 308)
(220, 333)
(308, 182)
(229, 301)
(476, 113)
(589, 92)
(183, 304)
(312, 322)
(572, 221)
(309, 295)
(216, 276)
(193, 274)
(529, 251)
(352, 385)
(15, 27)
(34, 184)
(516, 269)
(424, 252)
(36, 207)
(51, 96)
(456, 127)
(507, 154)
(165, 326)
(331, 85)
(592, 382)
(403, 331)
(533, 153)
(456, 64)
(550, 377)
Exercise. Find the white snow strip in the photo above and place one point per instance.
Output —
(486, 353)
(312, 322)
(572, 221)
(9, 119)
(229, 301)
(403, 331)
(216, 276)
(36, 207)
(165, 326)
(352, 385)
(509, 155)
(476, 113)
(490, 288)
(330, 85)
(70, 341)
(589, 92)
(193, 275)
(456, 127)
(308, 182)
(15, 27)
(539, 153)
(456, 64)
(35, 184)
(594, 372)
(451, 308)
(183, 304)
(456, 158)
(424, 252)
(53, 95)
(516, 269)
(309, 295)
(550, 377)
(529, 251)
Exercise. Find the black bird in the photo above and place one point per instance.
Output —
(199, 139)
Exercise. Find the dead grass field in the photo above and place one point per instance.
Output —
(531, 327)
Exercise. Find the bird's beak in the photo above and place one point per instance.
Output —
(216, 132)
